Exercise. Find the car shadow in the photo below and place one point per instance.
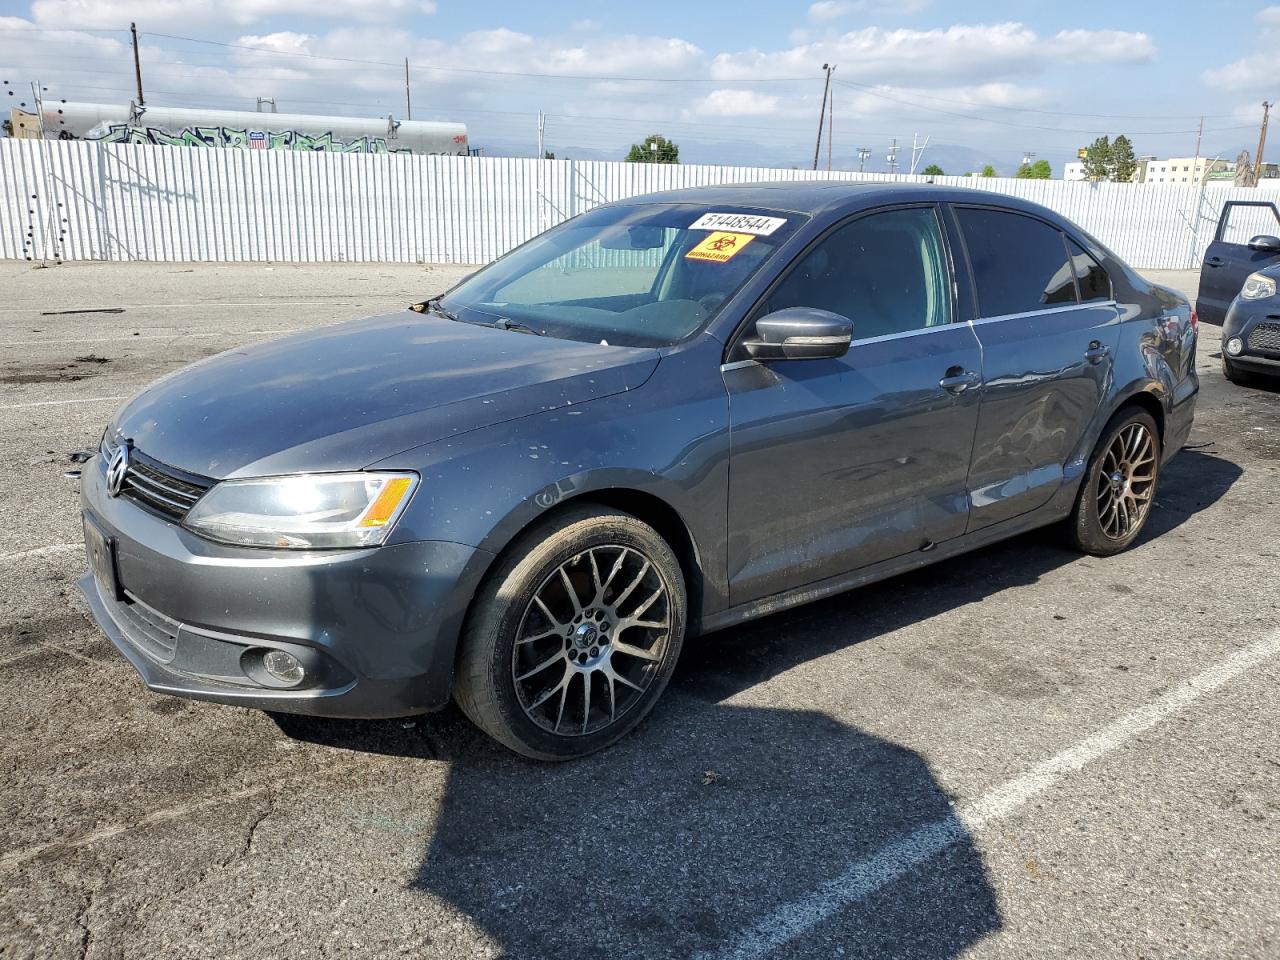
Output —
(689, 835)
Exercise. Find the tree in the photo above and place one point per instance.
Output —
(1040, 170)
(933, 170)
(548, 155)
(1097, 160)
(1123, 165)
(666, 152)
(988, 171)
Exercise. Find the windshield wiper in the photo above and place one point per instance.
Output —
(506, 323)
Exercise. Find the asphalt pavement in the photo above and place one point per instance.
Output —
(1019, 753)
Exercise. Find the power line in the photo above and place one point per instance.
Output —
(469, 70)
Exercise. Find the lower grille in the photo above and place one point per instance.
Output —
(162, 488)
(1265, 337)
(151, 631)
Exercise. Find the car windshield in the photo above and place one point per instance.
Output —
(643, 275)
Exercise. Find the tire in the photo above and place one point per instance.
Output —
(1233, 373)
(1109, 514)
(618, 635)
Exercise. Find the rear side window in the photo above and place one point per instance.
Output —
(1093, 280)
(1020, 264)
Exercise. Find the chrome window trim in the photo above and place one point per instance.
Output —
(1047, 310)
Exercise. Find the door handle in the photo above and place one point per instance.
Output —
(958, 380)
(1097, 352)
(1214, 261)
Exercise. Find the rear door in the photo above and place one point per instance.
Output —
(1228, 261)
(1049, 330)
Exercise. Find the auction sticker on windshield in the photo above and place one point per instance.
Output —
(720, 247)
(739, 222)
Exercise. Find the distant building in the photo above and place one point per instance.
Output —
(1171, 170)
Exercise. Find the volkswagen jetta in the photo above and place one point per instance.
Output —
(665, 416)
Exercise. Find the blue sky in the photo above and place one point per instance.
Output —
(730, 82)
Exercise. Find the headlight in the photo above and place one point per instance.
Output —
(1258, 287)
(316, 511)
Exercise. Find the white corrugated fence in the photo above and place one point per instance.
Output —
(78, 200)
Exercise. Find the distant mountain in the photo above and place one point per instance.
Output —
(955, 159)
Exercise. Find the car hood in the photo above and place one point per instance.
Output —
(345, 396)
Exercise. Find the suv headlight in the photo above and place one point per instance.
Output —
(314, 511)
(1258, 287)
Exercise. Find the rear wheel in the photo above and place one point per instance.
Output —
(573, 636)
(1119, 486)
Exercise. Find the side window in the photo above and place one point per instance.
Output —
(886, 272)
(1093, 280)
(1245, 222)
(1019, 263)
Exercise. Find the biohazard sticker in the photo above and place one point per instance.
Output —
(720, 247)
(739, 223)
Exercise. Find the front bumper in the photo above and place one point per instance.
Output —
(1261, 347)
(377, 629)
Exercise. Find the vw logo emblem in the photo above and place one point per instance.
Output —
(117, 468)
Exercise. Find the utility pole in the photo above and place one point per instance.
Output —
(542, 132)
(822, 114)
(408, 106)
(831, 124)
(863, 153)
(1262, 143)
(893, 156)
(137, 64)
(917, 151)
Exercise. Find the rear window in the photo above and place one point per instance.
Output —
(1093, 280)
(1019, 264)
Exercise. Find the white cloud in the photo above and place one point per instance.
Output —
(167, 14)
(1254, 73)
(735, 103)
(834, 9)
(960, 53)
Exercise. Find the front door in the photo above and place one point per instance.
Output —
(1049, 330)
(1229, 260)
(836, 464)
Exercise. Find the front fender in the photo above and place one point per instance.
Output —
(667, 439)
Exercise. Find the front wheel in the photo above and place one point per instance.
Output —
(1119, 486)
(573, 637)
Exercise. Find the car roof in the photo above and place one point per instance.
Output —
(813, 197)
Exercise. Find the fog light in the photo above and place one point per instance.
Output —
(283, 667)
(1235, 346)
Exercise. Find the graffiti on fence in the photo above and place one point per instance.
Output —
(236, 138)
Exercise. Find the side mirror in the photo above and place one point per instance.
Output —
(800, 333)
(1265, 243)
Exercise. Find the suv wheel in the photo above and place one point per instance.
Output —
(574, 635)
(1119, 486)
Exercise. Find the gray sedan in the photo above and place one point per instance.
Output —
(663, 417)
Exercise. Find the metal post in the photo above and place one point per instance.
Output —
(831, 122)
(1262, 143)
(137, 64)
(408, 106)
(822, 114)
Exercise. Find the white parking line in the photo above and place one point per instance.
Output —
(58, 403)
(867, 876)
(52, 548)
(177, 335)
(14, 857)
